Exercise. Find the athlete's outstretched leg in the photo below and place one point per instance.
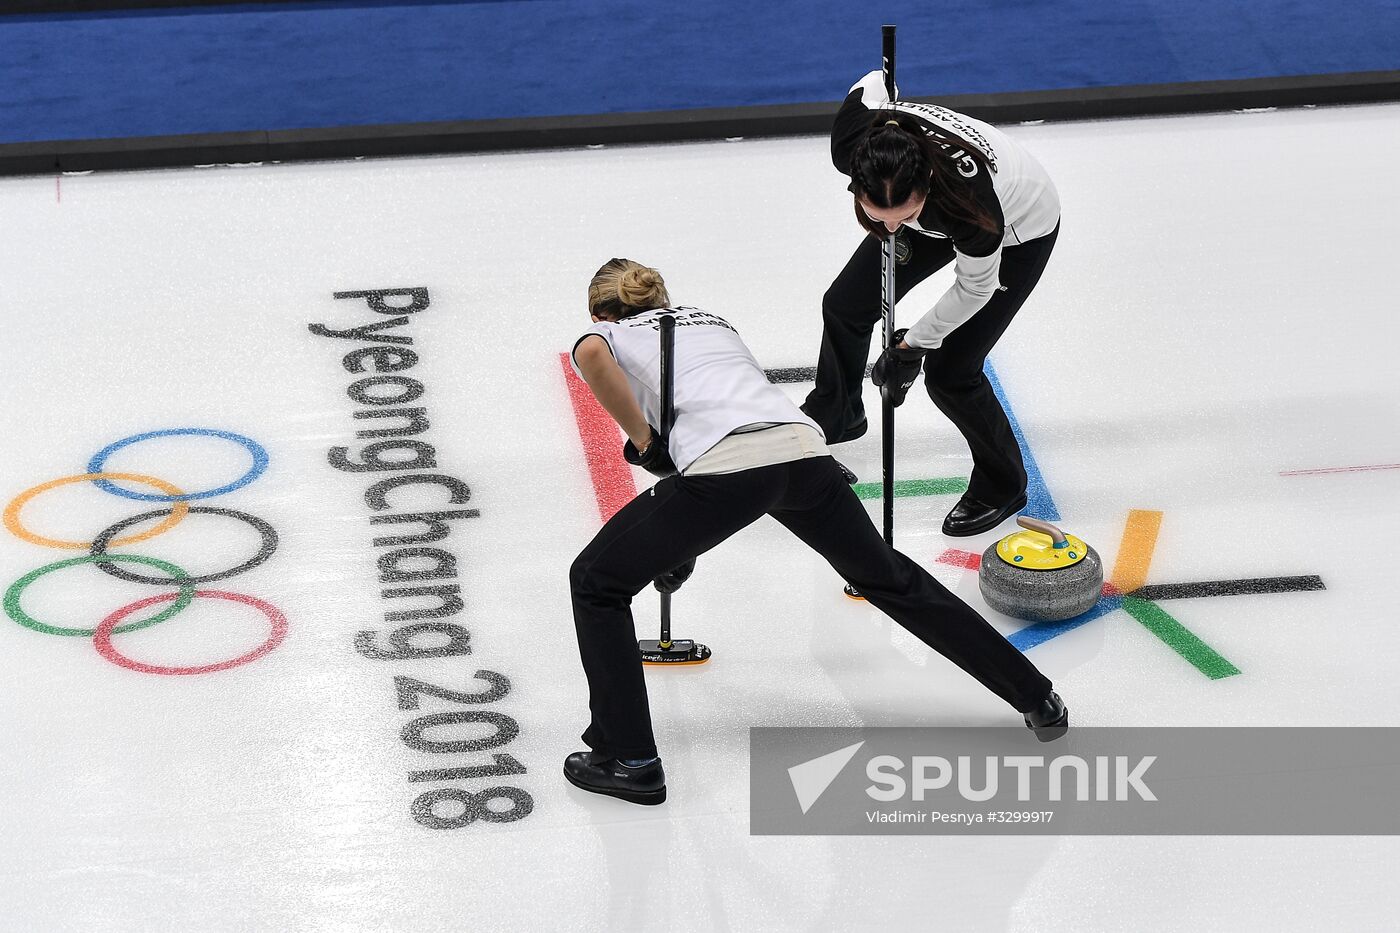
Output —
(826, 514)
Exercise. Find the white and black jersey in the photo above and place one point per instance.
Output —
(718, 384)
(1016, 192)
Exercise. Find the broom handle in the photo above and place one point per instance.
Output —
(887, 56)
(668, 377)
(668, 419)
(887, 293)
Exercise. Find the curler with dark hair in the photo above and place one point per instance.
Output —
(969, 196)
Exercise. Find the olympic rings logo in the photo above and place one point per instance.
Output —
(127, 531)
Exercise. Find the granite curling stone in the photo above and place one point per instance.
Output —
(1040, 574)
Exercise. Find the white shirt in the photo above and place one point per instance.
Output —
(718, 385)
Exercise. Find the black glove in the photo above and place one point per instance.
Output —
(657, 459)
(671, 580)
(898, 367)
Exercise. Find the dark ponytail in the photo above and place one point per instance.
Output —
(896, 160)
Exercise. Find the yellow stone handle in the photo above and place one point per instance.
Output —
(1057, 537)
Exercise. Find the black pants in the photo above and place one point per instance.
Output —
(684, 516)
(952, 373)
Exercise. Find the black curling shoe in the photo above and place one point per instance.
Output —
(1050, 719)
(972, 517)
(589, 771)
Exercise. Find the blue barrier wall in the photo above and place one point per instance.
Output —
(327, 64)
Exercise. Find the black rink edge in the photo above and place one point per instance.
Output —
(676, 125)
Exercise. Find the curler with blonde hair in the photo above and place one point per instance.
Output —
(623, 287)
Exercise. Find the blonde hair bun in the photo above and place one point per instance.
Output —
(641, 287)
(623, 287)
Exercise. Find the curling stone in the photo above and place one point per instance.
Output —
(1040, 574)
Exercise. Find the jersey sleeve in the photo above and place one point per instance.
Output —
(976, 265)
(854, 117)
(601, 329)
(977, 280)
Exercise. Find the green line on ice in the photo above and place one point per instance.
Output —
(914, 487)
(1179, 638)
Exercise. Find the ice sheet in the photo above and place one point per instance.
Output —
(1216, 315)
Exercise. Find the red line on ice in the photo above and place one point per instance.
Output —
(1350, 469)
(964, 559)
(613, 482)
